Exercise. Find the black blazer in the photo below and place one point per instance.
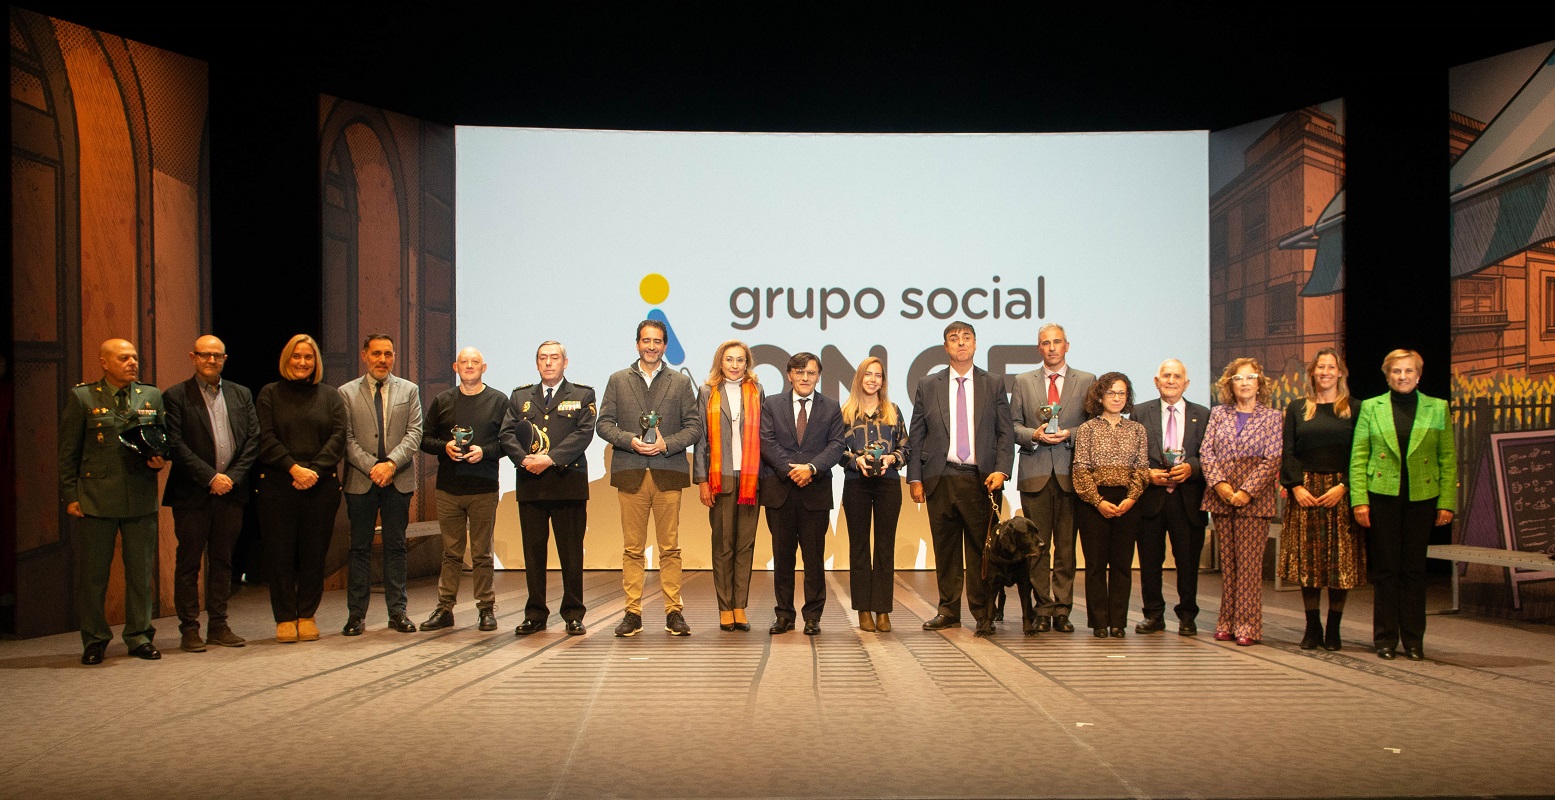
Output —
(194, 450)
(993, 442)
(1191, 492)
(822, 447)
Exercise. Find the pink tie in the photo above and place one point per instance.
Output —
(1172, 442)
(963, 443)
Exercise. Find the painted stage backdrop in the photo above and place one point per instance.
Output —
(109, 238)
(386, 184)
(1501, 145)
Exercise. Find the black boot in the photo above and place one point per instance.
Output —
(1314, 634)
(1332, 642)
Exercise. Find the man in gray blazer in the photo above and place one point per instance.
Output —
(648, 475)
(960, 454)
(214, 433)
(1170, 504)
(1046, 492)
(380, 476)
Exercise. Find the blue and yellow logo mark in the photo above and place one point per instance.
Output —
(655, 289)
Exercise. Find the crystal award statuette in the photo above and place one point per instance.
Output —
(462, 437)
(650, 424)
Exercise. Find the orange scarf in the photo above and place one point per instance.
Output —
(750, 441)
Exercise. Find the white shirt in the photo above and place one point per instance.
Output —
(1182, 410)
(648, 376)
(1061, 372)
(808, 406)
(732, 396)
(955, 419)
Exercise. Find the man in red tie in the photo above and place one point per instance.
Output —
(1056, 391)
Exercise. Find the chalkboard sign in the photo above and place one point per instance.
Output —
(1524, 467)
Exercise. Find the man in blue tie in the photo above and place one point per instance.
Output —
(961, 453)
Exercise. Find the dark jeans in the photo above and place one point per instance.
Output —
(1109, 560)
(794, 526)
(1395, 552)
(1187, 540)
(364, 510)
(958, 523)
(871, 571)
(213, 529)
(536, 520)
(296, 527)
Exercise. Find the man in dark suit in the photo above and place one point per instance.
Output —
(214, 433)
(113, 491)
(961, 454)
(380, 476)
(553, 482)
(1046, 489)
(1170, 504)
(801, 440)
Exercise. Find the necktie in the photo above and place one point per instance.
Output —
(1052, 388)
(1172, 442)
(378, 411)
(804, 417)
(963, 441)
(548, 391)
(121, 402)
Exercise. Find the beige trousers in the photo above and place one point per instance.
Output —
(635, 506)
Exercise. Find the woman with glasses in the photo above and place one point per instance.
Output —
(876, 446)
(1111, 468)
(1403, 483)
(725, 464)
(1318, 549)
(1241, 458)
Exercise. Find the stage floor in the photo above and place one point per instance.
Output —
(911, 713)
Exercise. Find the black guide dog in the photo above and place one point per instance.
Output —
(1006, 562)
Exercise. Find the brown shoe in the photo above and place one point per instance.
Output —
(866, 621)
(286, 632)
(726, 620)
(191, 642)
(224, 637)
(307, 630)
(883, 622)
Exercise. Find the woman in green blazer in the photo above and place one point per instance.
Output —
(1402, 439)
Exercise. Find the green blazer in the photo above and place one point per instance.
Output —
(1433, 460)
(107, 478)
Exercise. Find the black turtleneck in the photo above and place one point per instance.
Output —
(1404, 406)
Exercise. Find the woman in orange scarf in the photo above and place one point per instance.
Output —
(725, 465)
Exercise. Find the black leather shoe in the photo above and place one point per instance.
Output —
(441, 618)
(781, 625)
(941, 622)
(354, 627)
(1187, 628)
(94, 653)
(984, 628)
(742, 626)
(1100, 633)
(401, 623)
(147, 651)
(1386, 653)
(1061, 624)
(529, 626)
(488, 619)
(1117, 633)
(812, 627)
(1414, 653)
(575, 627)
(1151, 625)
(1044, 624)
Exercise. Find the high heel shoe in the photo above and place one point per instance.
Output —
(883, 622)
(866, 621)
(740, 622)
(726, 620)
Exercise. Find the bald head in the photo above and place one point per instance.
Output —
(470, 366)
(209, 357)
(121, 364)
(1171, 380)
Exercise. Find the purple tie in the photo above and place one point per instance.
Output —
(1171, 438)
(963, 442)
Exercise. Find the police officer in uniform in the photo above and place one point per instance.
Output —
(112, 490)
(547, 428)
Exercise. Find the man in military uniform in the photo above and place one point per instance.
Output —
(547, 428)
(112, 490)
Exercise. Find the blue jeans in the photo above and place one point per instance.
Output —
(364, 511)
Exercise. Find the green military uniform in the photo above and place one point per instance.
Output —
(117, 493)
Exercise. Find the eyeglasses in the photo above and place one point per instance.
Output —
(1251, 376)
(210, 356)
(1115, 394)
(734, 359)
(806, 374)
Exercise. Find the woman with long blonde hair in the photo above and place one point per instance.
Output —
(725, 464)
(1318, 548)
(875, 447)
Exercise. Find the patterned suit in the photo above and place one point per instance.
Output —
(118, 494)
(556, 499)
(1248, 460)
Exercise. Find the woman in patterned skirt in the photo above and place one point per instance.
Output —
(1318, 549)
(1241, 457)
